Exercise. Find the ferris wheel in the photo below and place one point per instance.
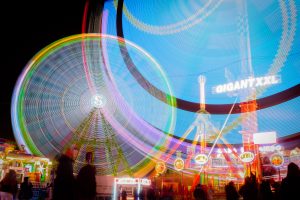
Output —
(76, 94)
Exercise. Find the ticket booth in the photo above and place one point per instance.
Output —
(130, 186)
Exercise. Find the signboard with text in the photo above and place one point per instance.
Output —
(201, 159)
(247, 157)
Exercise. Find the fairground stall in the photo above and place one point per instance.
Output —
(26, 165)
(132, 188)
(37, 168)
(6, 146)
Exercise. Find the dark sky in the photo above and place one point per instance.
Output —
(26, 28)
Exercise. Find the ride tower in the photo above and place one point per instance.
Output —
(248, 109)
(202, 124)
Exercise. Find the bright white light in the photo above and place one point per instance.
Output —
(201, 159)
(264, 138)
(251, 82)
(242, 149)
(132, 181)
(272, 148)
(98, 101)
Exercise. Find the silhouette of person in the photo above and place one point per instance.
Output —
(142, 194)
(210, 192)
(265, 191)
(170, 193)
(249, 190)
(231, 192)
(26, 189)
(200, 193)
(9, 185)
(124, 195)
(86, 180)
(64, 182)
(276, 188)
(290, 185)
(135, 194)
(151, 193)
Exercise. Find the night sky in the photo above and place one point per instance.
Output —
(26, 28)
(29, 26)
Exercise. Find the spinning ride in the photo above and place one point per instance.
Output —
(75, 94)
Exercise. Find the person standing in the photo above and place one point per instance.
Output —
(9, 185)
(249, 191)
(26, 190)
(200, 193)
(290, 185)
(86, 180)
(231, 192)
(64, 182)
(265, 192)
(151, 193)
(124, 195)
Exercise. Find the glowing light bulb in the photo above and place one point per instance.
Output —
(98, 101)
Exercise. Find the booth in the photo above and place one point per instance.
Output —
(130, 186)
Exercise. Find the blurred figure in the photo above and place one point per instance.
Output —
(26, 190)
(276, 189)
(142, 194)
(124, 195)
(151, 193)
(64, 182)
(200, 193)
(249, 190)
(290, 185)
(135, 194)
(9, 185)
(231, 192)
(210, 192)
(170, 193)
(267, 168)
(86, 180)
(265, 192)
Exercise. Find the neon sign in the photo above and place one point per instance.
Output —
(272, 148)
(250, 82)
(132, 181)
(277, 160)
(160, 167)
(247, 157)
(178, 164)
(201, 159)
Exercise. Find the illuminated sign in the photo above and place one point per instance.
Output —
(277, 160)
(132, 181)
(247, 157)
(251, 82)
(264, 138)
(201, 159)
(160, 167)
(270, 148)
(179, 164)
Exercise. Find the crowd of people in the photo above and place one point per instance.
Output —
(83, 186)
(9, 187)
(288, 189)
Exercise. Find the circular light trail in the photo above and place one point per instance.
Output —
(77, 94)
